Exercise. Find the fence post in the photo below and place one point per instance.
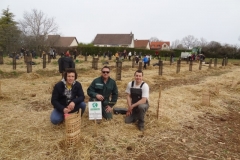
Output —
(95, 63)
(190, 65)
(223, 62)
(118, 70)
(25, 53)
(1, 57)
(140, 66)
(160, 67)
(200, 64)
(44, 60)
(178, 65)
(86, 56)
(29, 63)
(133, 61)
(226, 61)
(14, 61)
(215, 62)
(49, 58)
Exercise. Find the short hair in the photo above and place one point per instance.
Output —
(69, 70)
(138, 71)
(105, 67)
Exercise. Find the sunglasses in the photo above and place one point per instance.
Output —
(105, 72)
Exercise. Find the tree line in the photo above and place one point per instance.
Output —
(32, 31)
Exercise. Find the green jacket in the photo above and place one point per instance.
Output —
(107, 90)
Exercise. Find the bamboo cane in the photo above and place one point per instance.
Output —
(0, 88)
(158, 108)
(96, 133)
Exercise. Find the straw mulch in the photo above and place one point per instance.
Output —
(186, 128)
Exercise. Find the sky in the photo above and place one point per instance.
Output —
(167, 20)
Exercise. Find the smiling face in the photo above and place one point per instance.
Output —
(138, 77)
(70, 78)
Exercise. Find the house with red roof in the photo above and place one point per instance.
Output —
(160, 45)
(142, 44)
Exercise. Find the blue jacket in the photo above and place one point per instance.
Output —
(145, 59)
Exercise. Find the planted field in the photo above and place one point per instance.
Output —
(186, 129)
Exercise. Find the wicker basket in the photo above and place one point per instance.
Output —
(72, 128)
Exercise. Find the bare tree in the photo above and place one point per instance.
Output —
(203, 42)
(36, 26)
(154, 39)
(175, 44)
(190, 41)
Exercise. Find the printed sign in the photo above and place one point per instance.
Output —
(95, 110)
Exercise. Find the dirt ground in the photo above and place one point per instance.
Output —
(186, 129)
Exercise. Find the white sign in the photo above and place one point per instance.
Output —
(95, 110)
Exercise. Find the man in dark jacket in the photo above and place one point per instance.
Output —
(65, 62)
(67, 97)
(101, 89)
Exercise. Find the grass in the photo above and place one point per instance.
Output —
(12, 74)
(27, 133)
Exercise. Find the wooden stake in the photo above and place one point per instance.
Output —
(216, 90)
(0, 88)
(158, 108)
(95, 128)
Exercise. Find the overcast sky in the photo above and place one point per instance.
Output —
(168, 20)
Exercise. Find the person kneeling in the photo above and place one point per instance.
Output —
(137, 100)
(104, 89)
(67, 97)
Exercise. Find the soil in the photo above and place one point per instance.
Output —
(186, 129)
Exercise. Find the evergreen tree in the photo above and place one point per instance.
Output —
(9, 32)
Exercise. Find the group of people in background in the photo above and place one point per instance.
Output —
(23, 52)
(198, 57)
(146, 59)
(68, 96)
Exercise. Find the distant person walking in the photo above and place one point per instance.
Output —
(22, 52)
(172, 57)
(129, 55)
(75, 54)
(51, 53)
(145, 61)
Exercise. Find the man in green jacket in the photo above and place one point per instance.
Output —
(101, 89)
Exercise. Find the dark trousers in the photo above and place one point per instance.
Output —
(138, 113)
(145, 65)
